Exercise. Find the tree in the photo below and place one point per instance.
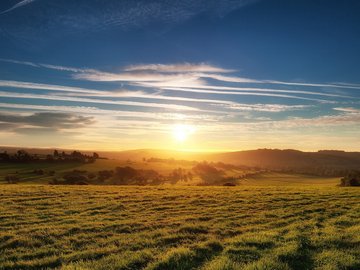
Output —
(124, 174)
(22, 155)
(4, 156)
(208, 173)
(56, 153)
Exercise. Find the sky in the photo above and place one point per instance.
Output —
(193, 75)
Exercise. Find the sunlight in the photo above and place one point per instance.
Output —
(182, 132)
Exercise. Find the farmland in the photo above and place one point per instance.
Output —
(272, 226)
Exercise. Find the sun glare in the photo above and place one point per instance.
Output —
(182, 132)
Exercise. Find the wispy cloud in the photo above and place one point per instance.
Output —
(116, 112)
(170, 74)
(73, 17)
(178, 68)
(48, 66)
(50, 87)
(267, 107)
(18, 5)
(100, 101)
(347, 109)
(242, 92)
(76, 91)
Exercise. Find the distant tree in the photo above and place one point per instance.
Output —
(124, 174)
(95, 155)
(56, 153)
(4, 156)
(208, 173)
(23, 156)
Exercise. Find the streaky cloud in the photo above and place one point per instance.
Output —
(347, 109)
(245, 93)
(100, 101)
(19, 4)
(240, 89)
(176, 68)
(171, 72)
(113, 112)
(96, 93)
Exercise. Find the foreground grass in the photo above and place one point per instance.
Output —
(94, 227)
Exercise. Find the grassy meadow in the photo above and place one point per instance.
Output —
(313, 226)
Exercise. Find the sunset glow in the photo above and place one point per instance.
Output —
(182, 132)
(120, 78)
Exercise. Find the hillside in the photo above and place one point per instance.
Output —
(323, 162)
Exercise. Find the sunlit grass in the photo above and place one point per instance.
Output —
(95, 227)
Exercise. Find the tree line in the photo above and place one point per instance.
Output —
(22, 156)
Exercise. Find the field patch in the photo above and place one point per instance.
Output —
(132, 227)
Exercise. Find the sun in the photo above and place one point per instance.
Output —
(182, 132)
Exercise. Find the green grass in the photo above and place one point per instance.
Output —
(129, 227)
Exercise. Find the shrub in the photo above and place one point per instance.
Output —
(351, 180)
(12, 179)
(105, 174)
(75, 177)
(54, 181)
(91, 175)
(229, 184)
(38, 171)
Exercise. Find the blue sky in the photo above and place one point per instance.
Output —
(190, 75)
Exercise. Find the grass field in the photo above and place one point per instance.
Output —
(129, 227)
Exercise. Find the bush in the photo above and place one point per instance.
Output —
(75, 177)
(12, 179)
(351, 180)
(54, 181)
(91, 175)
(104, 175)
(229, 184)
(38, 171)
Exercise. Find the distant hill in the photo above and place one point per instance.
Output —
(291, 159)
(323, 162)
